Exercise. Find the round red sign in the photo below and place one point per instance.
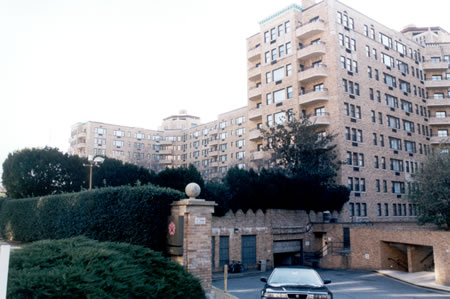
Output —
(171, 228)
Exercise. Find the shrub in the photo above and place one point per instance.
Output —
(136, 215)
(83, 268)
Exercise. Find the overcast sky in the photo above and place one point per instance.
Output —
(134, 62)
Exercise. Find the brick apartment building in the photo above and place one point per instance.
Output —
(385, 93)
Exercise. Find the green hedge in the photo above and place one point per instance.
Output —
(136, 215)
(83, 268)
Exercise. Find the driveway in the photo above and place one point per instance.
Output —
(345, 284)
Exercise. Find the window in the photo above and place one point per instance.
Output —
(288, 48)
(341, 39)
(442, 132)
(290, 92)
(403, 67)
(391, 101)
(279, 95)
(240, 155)
(267, 57)
(410, 146)
(343, 63)
(274, 54)
(273, 34)
(398, 187)
(386, 209)
(371, 93)
(374, 53)
(385, 40)
(397, 165)
(367, 51)
(239, 120)
(119, 133)
(280, 30)
(408, 126)
(376, 162)
(288, 70)
(278, 74)
(404, 86)
(395, 143)
(401, 48)
(281, 51)
(390, 80)
(369, 72)
(268, 98)
(339, 17)
(393, 122)
(268, 77)
(280, 118)
(380, 118)
(269, 120)
(366, 30)
(319, 111)
(240, 132)
(378, 96)
(387, 60)
(266, 36)
(100, 132)
(407, 106)
(287, 26)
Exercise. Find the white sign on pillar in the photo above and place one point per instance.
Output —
(4, 265)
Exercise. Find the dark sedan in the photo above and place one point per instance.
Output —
(301, 283)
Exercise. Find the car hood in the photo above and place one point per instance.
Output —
(296, 289)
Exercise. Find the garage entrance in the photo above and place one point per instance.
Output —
(288, 253)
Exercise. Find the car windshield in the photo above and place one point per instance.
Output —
(304, 277)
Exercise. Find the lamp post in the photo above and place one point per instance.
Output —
(93, 161)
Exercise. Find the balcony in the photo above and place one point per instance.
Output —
(310, 51)
(260, 155)
(254, 53)
(255, 134)
(310, 29)
(313, 97)
(214, 164)
(435, 65)
(165, 142)
(255, 114)
(165, 161)
(435, 121)
(165, 152)
(313, 73)
(322, 119)
(213, 142)
(438, 102)
(437, 83)
(213, 153)
(212, 132)
(254, 73)
(440, 140)
(254, 93)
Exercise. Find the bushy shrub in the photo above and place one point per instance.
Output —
(136, 215)
(83, 268)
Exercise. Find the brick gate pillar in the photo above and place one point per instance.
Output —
(197, 229)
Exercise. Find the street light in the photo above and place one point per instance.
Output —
(93, 161)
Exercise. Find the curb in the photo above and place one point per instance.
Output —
(436, 288)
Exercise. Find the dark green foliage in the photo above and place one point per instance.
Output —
(219, 193)
(274, 189)
(113, 173)
(300, 151)
(431, 191)
(136, 215)
(178, 178)
(38, 172)
(83, 268)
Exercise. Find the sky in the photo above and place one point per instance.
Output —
(134, 62)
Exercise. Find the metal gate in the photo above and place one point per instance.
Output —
(213, 252)
(224, 257)
(249, 250)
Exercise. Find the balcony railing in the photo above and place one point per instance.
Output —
(314, 96)
(322, 118)
(440, 139)
(254, 53)
(439, 120)
(438, 101)
(303, 31)
(255, 113)
(254, 73)
(437, 83)
(312, 50)
(435, 65)
(313, 73)
(255, 134)
(254, 93)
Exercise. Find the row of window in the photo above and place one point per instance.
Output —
(278, 74)
(395, 123)
(279, 52)
(359, 209)
(273, 33)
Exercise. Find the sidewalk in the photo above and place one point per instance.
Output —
(421, 279)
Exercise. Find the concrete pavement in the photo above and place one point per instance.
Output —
(421, 279)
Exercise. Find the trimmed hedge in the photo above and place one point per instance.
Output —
(83, 268)
(136, 215)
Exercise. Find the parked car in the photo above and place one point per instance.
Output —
(295, 282)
